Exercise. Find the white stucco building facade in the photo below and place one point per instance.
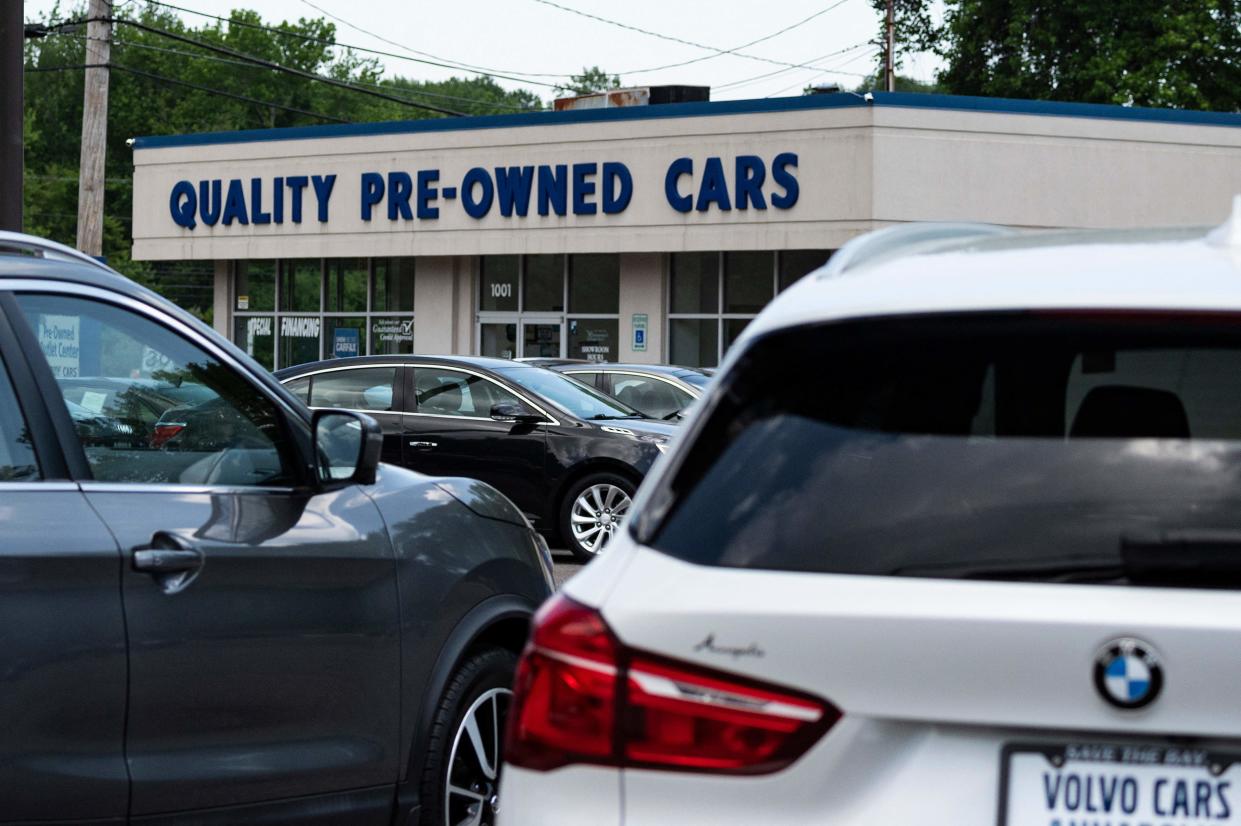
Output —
(650, 233)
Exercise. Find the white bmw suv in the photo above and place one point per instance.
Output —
(954, 539)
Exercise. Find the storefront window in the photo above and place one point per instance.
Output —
(593, 339)
(541, 340)
(392, 335)
(498, 286)
(498, 340)
(345, 337)
(299, 339)
(301, 285)
(694, 342)
(748, 281)
(695, 282)
(594, 283)
(257, 336)
(699, 329)
(796, 263)
(345, 291)
(394, 285)
(254, 289)
(544, 285)
(300, 332)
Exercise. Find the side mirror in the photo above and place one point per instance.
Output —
(510, 412)
(346, 447)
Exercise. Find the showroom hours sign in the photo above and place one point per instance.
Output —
(688, 185)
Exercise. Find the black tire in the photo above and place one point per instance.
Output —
(485, 672)
(580, 552)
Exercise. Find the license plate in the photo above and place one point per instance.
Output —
(1092, 784)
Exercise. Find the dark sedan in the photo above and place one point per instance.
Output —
(661, 391)
(568, 455)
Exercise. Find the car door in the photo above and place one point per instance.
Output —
(450, 432)
(261, 615)
(62, 634)
(374, 389)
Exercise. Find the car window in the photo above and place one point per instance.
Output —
(300, 388)
(586, 378)
(150, 407)
(446, 392)
(1035, 447)
(361, 388)
(655, 398)
(568, 394)
(17, 459)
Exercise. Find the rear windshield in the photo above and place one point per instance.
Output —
(1039, 447)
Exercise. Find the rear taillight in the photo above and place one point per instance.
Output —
(582, 697)
(164, 431)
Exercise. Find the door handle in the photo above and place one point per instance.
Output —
(172, 561)
(166, 562)
(424, 445)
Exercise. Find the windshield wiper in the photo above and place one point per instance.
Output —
(606, 417)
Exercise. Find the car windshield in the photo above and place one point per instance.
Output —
(1035, 447)
(569, 394)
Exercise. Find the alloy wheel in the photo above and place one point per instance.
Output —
(597, 512)
(472, 795)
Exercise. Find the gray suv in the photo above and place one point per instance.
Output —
(260, 623)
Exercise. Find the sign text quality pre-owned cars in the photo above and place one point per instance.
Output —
(748, 182)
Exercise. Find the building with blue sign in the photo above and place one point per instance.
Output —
(649, 233)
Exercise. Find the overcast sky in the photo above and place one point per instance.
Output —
(533, 36)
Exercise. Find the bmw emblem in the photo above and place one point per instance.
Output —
(1128, 674)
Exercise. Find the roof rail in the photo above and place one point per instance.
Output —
(904, 239)
(19, 242)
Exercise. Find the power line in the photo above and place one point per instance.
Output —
(732, 84)
(682, 41)
(442, 63)
(248, 64)
(213, 91)
(735, 49)
(258, 61)
(208, 89)
(827, 72)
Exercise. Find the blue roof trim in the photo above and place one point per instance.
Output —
(690, 110)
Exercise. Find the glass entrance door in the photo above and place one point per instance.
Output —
(498, 339)
(541, 338)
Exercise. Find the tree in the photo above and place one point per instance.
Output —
(590, 80)
(1140, 52)
(904, 83)
(913, 31)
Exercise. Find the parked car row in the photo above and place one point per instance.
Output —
(987, 560)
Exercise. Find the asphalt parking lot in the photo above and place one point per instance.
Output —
(565, 566)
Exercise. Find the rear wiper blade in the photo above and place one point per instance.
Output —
(1201, 558)
(1065, 569)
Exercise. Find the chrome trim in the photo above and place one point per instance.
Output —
(38, 487)
(49, 249)
(172, 487)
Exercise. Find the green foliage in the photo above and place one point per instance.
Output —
(913, 31)
(140, 105)
(903, 83)
(1140, 52)
(590, 80)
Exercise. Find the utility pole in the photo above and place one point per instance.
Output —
(94, 128)
(12, 57)
(889, 73)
